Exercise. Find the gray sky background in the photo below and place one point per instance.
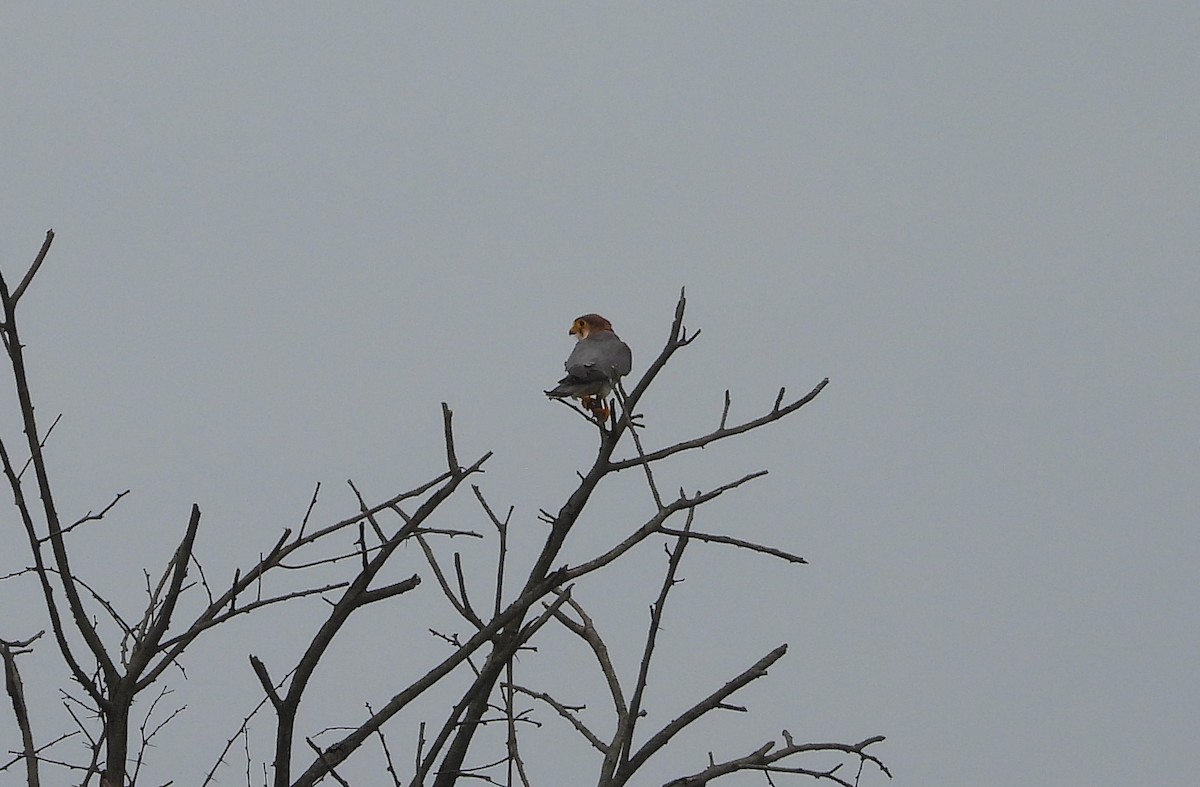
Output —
(287, 232)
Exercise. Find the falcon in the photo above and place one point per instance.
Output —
(600, 359)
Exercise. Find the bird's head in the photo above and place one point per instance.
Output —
(588, 324)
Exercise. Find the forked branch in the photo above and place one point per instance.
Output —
(16, 694)
(709, 703)
(722, 432)
(767, 758)
(113, 677)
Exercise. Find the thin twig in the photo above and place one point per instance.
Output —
(368, 515)
(766, 758)
(149, 736)
(92, 517)
(588, 632)
(663, 736)
(387, 753)
(41, 443)
(737, 542)
(460, 606)
(308, 512)
(653, 525)
(567, 713)
(721, 433)
(33, 269)
(321, 757)
(637, 442)
(622, 746)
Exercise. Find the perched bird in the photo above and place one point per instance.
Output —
(598, 361)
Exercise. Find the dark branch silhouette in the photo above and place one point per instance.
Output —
(115, 657)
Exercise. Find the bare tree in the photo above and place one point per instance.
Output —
(114, 659)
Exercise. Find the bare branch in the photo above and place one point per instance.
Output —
(663, 736)
(369, 515)
(42, 443)
(563, 522)
(203, 578)
(283, 548)
(264, 678)
(676, 340)
(16, 693)
(148, 646)
(458, 605)
(245, 609)
(653, 525)
(387, 753)
(512, 744)
(502, 550)
(308, 512)
(388, 591)
(722, 432)
(38, 752)
(567, 713)
(82, 622)
(462, 587)
(588, 632)
(33, 269)
(503, 650)
(43, 573)
(113, 676)
(242, 731)
(582, 413)
(355, 596)
(622, 747)
(92, 517)
(737, 542)
(766, 757)
(451, 459)
(122, 624)
(148, 735)
(321, 757)
(637, 442)
(448, 531)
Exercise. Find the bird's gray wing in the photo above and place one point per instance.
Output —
(622, 358)
(589, 361)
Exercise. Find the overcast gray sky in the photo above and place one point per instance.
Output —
(286, 232)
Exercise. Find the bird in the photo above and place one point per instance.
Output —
(596, 364)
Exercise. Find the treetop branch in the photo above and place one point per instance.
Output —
(363, 560)
(33, 269)
(721, 432)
